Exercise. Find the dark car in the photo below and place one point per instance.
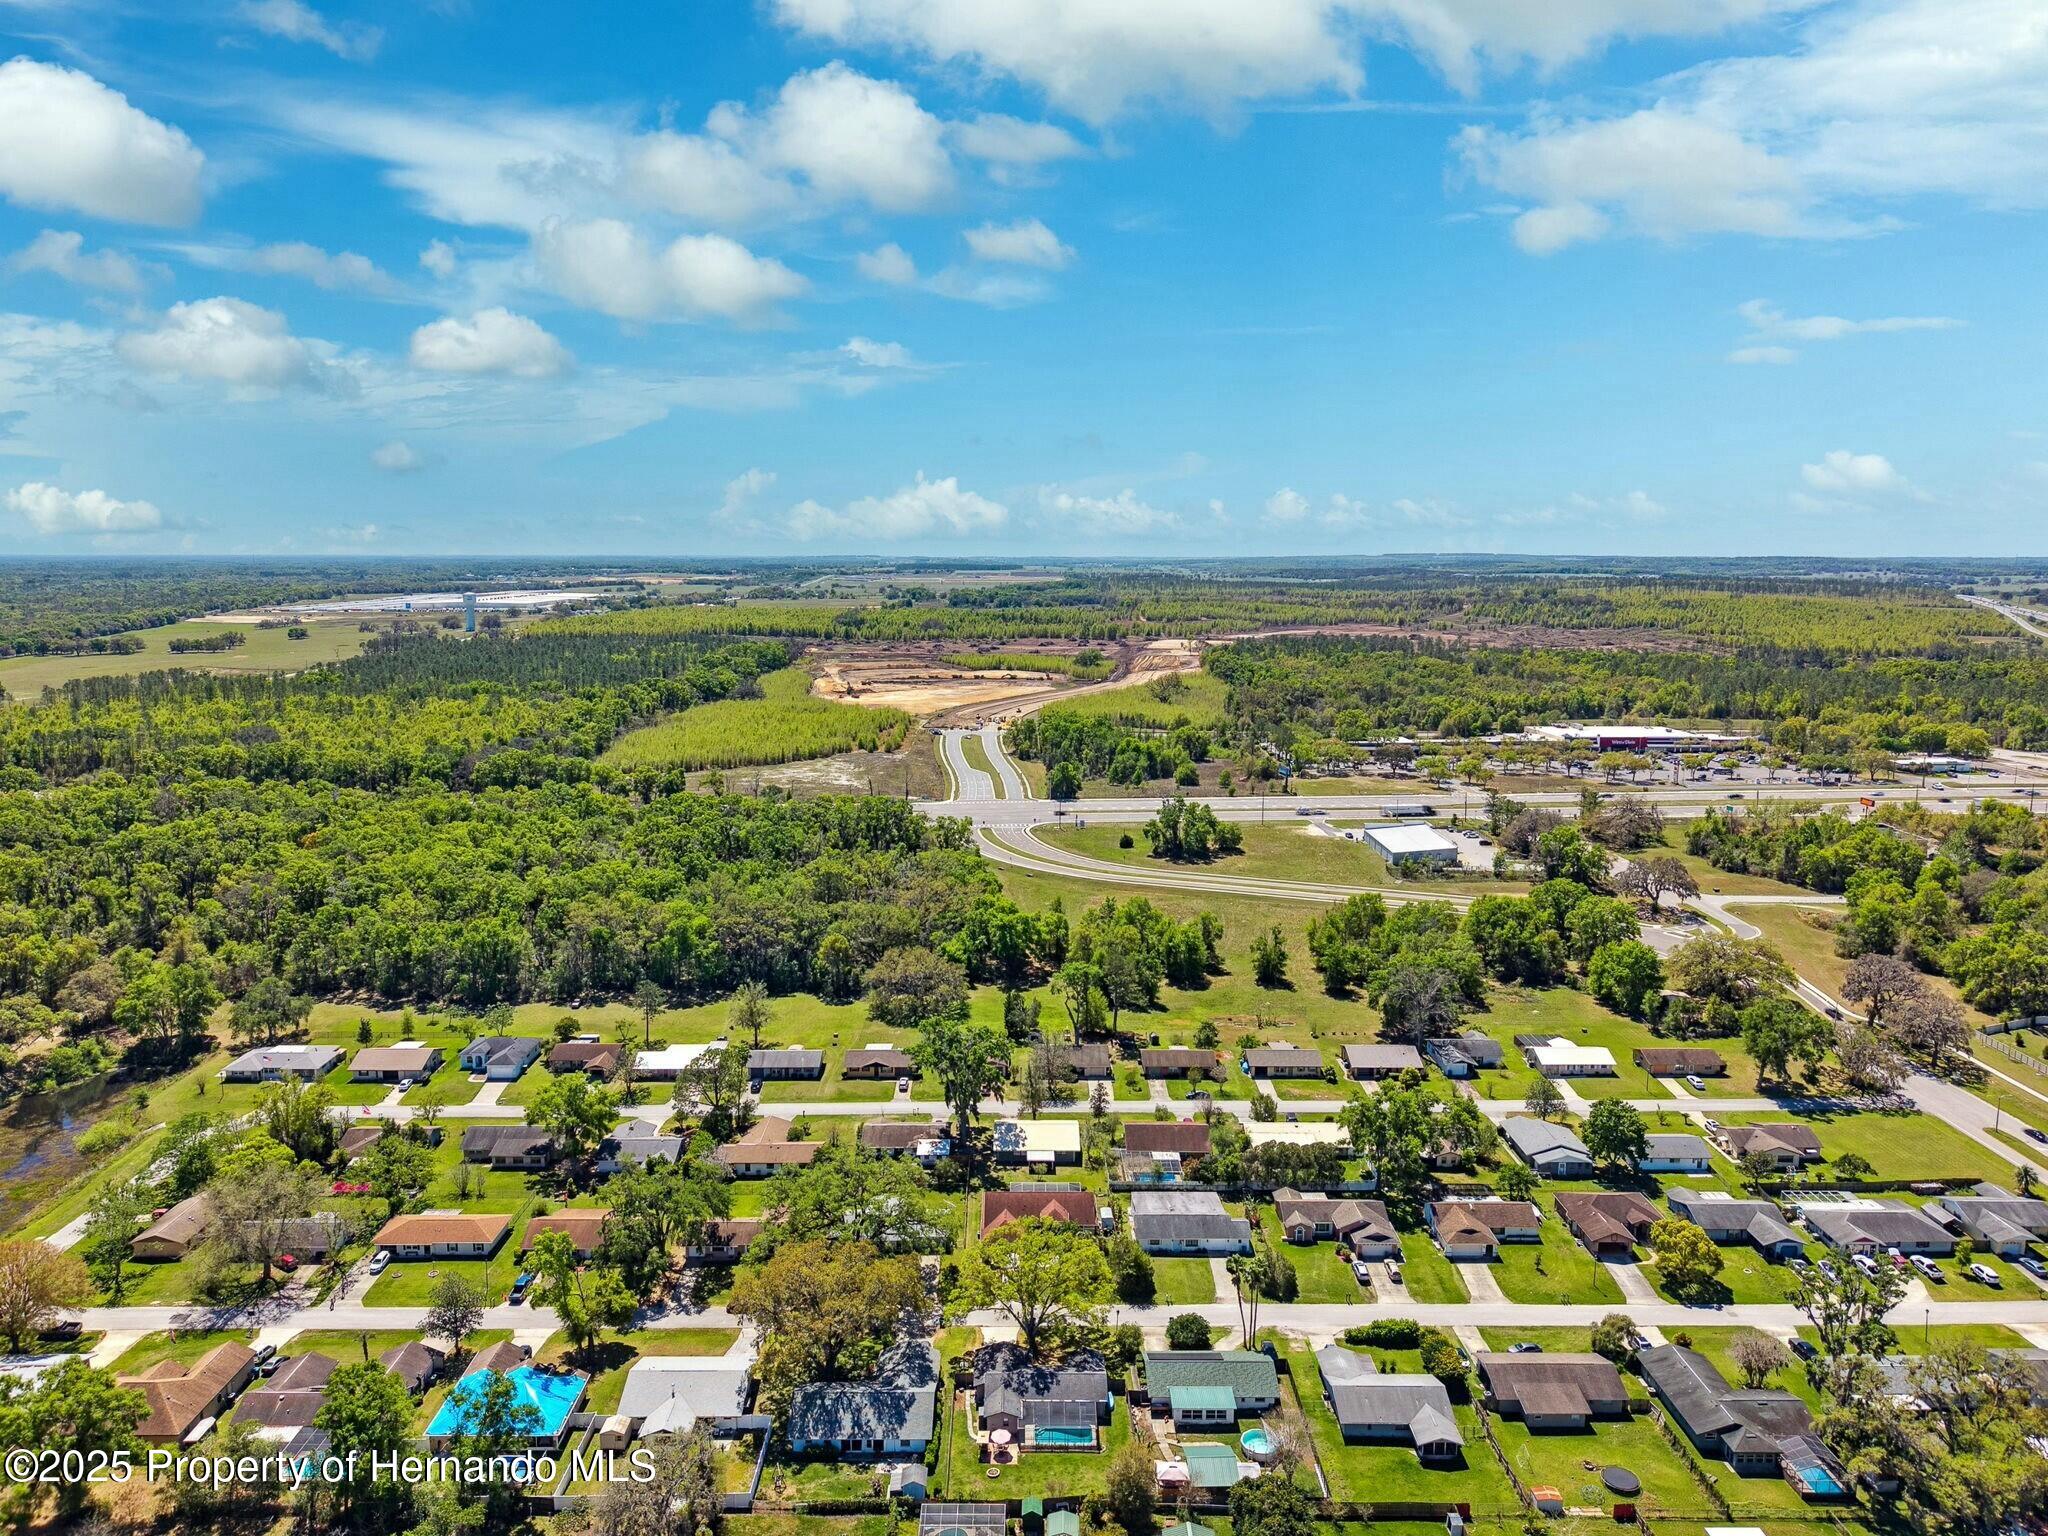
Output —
(1803, 1349)
(62, 1333)
(2035, 1133)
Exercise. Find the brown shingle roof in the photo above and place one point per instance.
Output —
(181, 1225)
(392, 1058)
(1491, 1215)
(1550, 1385)
(1676, 1060)
(1615, 1215)
(896, 1135)
(776, 1153)
(888, 1057)
(1190, 1138)
(180, 1395)
(598, 1056)
(584, 1228)
(430, 1227)
(1075, 1206)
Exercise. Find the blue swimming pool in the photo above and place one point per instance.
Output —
(1257, 1442)
(552, 1395)
(1062, 1437)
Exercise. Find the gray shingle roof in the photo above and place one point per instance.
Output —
(899, 1403)
(1363, 1398)
(1539, 1138)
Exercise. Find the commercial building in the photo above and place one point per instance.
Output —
(1410, 845)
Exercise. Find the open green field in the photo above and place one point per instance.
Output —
(1561, 1461)
(1158, 703)
(1558, 1269)
(607, 1362)
(1901, 1147)
(783, 725)
(181, 1347)
(1285, 848)
(1574, 1015)
(267, 649)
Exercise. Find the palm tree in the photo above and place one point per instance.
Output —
(1247, 1273)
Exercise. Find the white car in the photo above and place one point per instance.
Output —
(1695, 1083)
(1864, 1262)
(1984, 1274)
(378, 1260)
(1929, 1268)
(1362, 1270)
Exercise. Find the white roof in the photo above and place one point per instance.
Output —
(1411, 840)
(1308, 1133)
(669, 1058)
(684, 1388)
(1038, 1138)
(1564, 1052)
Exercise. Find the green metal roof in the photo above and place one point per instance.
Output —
(1032, 1506)
(1063, 1522)
(1203, 1399)
(1210, 1465)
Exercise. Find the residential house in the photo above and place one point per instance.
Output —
(583, 1227)
(599, 1058)
(1076, 1207)
(1553, 1391)
(666, 1063)
(175, 1232)
(1178, 1061)
(725, 1241)
(443, 1235)
(1464, 1055)
(1676, 1152)
(924, 1139)
(1297, 1133)
(1363, 1226)
(635, 1149)
(1014, 1392)
(1557, 1056)
(1366, 1062)
(785, 1065)
(1609, 1222)
(357, 1140)
(1040, 1143)
(1475, 1229)
(1680, 1061)
(1187, 1222)
(500, 1058)
(878, 1061)
(286, 1403)
(1787, 1147)
(1090, 1063)
(395, 1063)
(1153, 1168)
(890, 1414)
(672, 1394)
(1998, 1220)
(1271, 1061)
(551, 1395)
(1189, 1138)
(505, 1355)
(1206, 1388)
(764, 1148)
(1376, 1408)
(1726, 1219)
(310, 1239)
(520, 1147)
(1873, 1226)
(271, 1063)
(1759, 1433)
(183, 1399)
(416, 1363)
(1552, 1150)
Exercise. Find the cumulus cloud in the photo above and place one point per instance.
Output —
(438, 258)
(921, 508)
(606, 264)
(51, 511)
(699, 177)
(225, 341)
(62, 253)
(1125, 512)
(1286, 506)
(297, 22)
(67, 141)
(742, 491)
(1026, 243)
(397, 457)
(889, 264)
(1842, 473)
(491, 341)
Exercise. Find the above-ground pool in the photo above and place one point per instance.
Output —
(1257, 1442)
(1063, 1437)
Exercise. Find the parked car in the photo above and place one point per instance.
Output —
(378, 1260)
(2035, 1133)
(519, 1288)
(1696, 1083)
(903, 1085)
(1929, 1268)
(2033, 1266)
(1984, 1274)
(1525, 1349)
(1393, 1272)
(1864, 1262)
(62, 1332)
(1361, 1271)
(265, 1358)
(1803, 1349)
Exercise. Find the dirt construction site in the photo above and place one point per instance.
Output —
(922, 677)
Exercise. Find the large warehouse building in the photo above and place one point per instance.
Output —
(1412, 845)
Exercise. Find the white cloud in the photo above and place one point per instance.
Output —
(741, 491)
(1013, 148)
(921, 508)
(62, 253)
(1286, 506)
(1124, 512)
(439, 259)
(397, 457)
(355, 534)
(335, 270)
(1643, 508)
(608, 265)
(698, 177)
(878, 354)
(67, 141)
(1842, 473)
(997, 290)
(491, 341)
(1775, 356)
(1026, 243)
(51, 510)
(1771, 329)
(1546, 231)
(852, 136)
(225, 341)
(296, 22)
(889, 264)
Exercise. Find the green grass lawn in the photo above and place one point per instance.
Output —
(264, 649)
(182, 1347)
(1718, 1345)
(1571, 1464)
(1284, 849)
(1324, 1277)
(349, 1347)
(608, 1361)
(1962, 1286)
(1391, 1473)
(1554, 1270)
(1746, 1276)
(1555, 1341)
(1429, 1276)
(1182, 1282)
(411, 1282)
(1901, 1147)
(1575, 1016)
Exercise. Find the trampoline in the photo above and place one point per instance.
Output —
(1622, 1481)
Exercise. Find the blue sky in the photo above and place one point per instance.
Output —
(1052, 277)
